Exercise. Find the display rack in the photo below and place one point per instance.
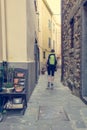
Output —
(15, 98)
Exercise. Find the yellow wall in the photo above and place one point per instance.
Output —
(45, 14)
(56, 36)
(58, 39)
(31, 29)
(44, 32)
(16, 30)
(55, 6)
(39, 15)
(0, 37)
(2, 31)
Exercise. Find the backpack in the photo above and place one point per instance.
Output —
(52, 59)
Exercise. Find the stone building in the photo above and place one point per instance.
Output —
(74, 45)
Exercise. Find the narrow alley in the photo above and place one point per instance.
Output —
(29, 30)
(55, 109)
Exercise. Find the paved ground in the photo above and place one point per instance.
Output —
(54, 109)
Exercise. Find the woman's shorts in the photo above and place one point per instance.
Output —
(51, 70)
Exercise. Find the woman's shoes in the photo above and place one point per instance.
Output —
(50, 86)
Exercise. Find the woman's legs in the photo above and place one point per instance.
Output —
(52, 77)
(50, 71)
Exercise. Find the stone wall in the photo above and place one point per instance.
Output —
(71, 43)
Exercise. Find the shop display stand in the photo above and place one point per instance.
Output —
(16, 100)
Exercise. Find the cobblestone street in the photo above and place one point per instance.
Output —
(55, 109)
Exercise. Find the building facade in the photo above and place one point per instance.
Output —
(45, 30)
(74, 47)
(48, 30)
(18, 37)
(56, 36)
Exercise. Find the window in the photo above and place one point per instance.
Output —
(35, 4)
(49, 24)
(53, 44)
(53, 27)
(49, 42)
(44, 54)
(72, 32)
